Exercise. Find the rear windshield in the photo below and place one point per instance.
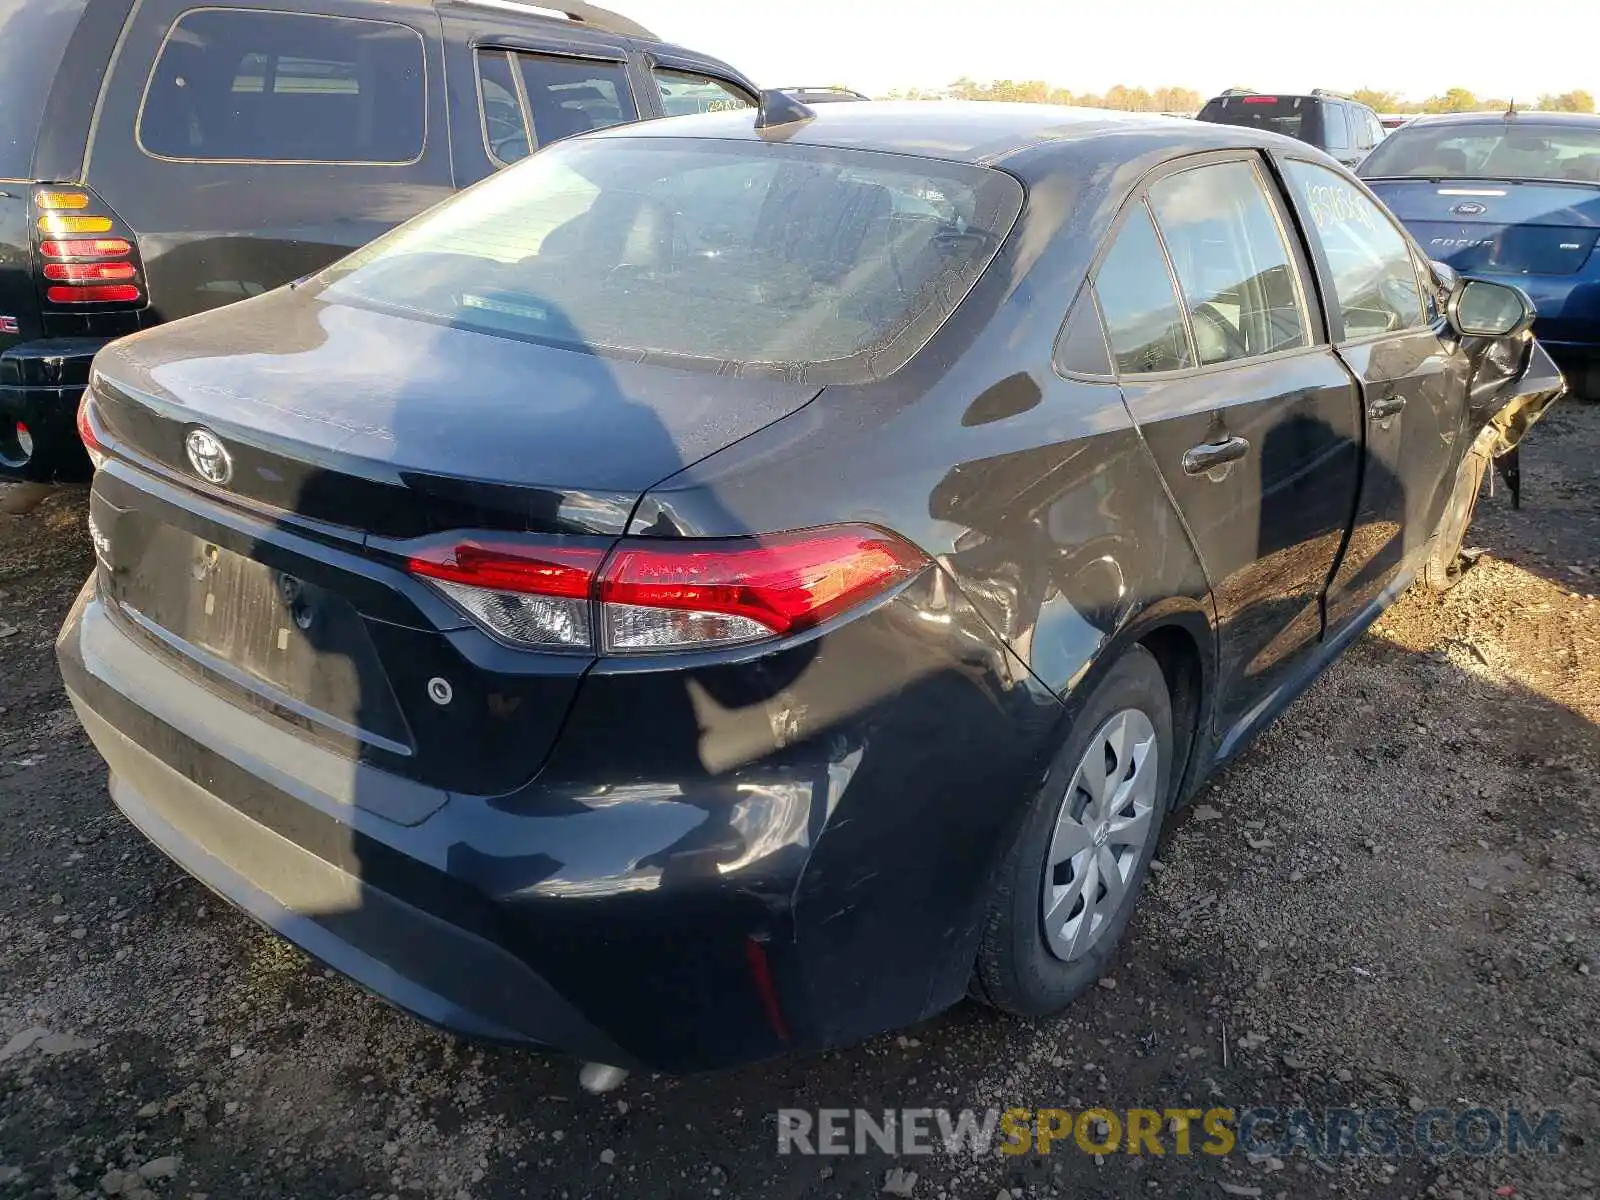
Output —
(1276, 114)
(832, 265)
(33, 40)
(1520, 149)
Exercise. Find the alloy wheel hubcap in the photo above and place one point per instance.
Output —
(1101, 833)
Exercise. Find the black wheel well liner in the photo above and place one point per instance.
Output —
(1178, 654)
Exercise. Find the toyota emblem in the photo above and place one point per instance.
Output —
(1470, 208)
(208, 456)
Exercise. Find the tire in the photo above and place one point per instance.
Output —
(1017, 969)
(1584, 382)
(1442, 568)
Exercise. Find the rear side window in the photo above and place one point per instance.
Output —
(833, 265)
(1239, 284)
(1142, 318)
(568, 96)
(1337, 128)
(286, 87)
(1374, 277)
(505, 127)
(33, 39)
(1373, 131)
(685, 92)
(1360, 135)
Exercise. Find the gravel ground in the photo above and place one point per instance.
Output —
(1389, 902)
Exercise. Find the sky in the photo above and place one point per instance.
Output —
(1417, 49)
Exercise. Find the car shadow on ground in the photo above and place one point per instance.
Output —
(1556, 532)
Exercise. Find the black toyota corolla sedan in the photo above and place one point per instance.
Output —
(739, 583)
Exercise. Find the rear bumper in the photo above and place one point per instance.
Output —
(677, 926)
(436, 971)
(314, 891)
(40, 386)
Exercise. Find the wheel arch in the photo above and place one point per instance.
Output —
(1180, 632)
(1176, 649)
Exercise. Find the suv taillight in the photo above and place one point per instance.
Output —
(86, 257)
(656, 594)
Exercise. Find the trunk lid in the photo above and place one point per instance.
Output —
(353, 433)
(1479, 225)
(397, 428)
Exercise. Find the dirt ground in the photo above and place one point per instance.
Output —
(1391, 901)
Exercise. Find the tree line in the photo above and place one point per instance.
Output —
(1462, 100)
(1187, 100)
(1034, 91)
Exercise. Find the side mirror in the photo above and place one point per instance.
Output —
(1480, 308)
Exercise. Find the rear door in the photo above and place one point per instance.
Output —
(249, 147)
(1251, 418)
(1395, 340)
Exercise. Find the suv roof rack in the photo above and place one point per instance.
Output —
(578, 11)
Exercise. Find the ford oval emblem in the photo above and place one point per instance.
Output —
(208, 456)
(1470, 208)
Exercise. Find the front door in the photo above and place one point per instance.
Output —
(1408, 364)
(1252, 419)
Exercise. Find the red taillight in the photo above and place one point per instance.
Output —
(91, 440)
(114, 293)
(546, 571)
(530, 595)
(662, 595)
(659, 594)
(1260, 99)
(87, 248)
(86, 272)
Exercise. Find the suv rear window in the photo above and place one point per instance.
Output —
(796, 260)
(286, 87)
(33, 39)
(1276, 114)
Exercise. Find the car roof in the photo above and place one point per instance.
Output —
(1288, 96)
(974, 131)
(1497, 118)
(823, 91)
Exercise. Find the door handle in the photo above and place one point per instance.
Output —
(1207, 456)
(1385, 406)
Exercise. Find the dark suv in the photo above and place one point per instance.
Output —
(164, 158)
(1343, 128)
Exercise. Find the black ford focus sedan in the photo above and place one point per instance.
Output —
(740, 583)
